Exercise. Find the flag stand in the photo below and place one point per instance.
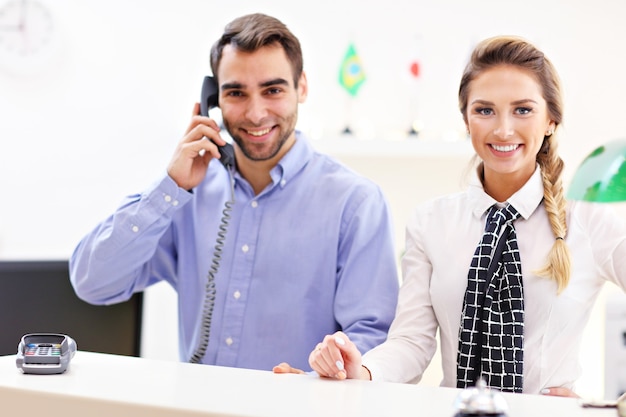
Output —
(351, 77)
(415, 69)
(347, 130)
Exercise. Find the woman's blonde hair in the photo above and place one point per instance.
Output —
(515, 51)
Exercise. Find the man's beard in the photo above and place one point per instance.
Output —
(249, 148)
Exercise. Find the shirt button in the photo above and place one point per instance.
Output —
(283, 182)
(168, 198)
(236, 294)
(254, 204)
(245, 248)
(175, 203)
(135, 229)
(229, 341)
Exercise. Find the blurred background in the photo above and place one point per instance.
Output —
(95, 114)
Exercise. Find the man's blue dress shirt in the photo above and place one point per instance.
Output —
(311, 254)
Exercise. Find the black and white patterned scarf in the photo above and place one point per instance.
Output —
(491, 337)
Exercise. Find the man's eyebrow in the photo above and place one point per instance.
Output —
(231, 86)
(239, 86)
(275, 81)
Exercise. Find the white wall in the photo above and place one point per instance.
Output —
(101, 119)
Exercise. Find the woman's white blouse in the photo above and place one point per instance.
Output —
(441, 237)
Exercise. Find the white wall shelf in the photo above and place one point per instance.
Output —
(348, 146)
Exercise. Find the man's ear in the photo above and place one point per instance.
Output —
(303, 88)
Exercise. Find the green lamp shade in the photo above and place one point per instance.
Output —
(602, 175)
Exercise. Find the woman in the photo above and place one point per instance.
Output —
(517, 318)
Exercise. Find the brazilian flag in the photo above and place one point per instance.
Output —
(351, 75)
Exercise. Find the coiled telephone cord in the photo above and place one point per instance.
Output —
(209, 295)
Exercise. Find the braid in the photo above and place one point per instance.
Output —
(558, 266)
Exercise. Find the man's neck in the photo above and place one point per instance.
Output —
(257, 173)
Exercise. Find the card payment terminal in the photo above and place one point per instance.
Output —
(45, 353)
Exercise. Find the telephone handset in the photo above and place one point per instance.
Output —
(208, 100)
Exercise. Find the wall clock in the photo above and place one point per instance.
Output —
(28, 37)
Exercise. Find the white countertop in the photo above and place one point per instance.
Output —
(110, 385)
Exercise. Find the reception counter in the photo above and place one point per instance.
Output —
(99, 385)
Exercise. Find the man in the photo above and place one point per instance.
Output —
(268, 255)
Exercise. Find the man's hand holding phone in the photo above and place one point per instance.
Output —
(194, 152)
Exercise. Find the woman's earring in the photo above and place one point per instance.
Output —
(549, 132)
